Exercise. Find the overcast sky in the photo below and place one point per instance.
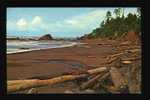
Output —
(59, 22)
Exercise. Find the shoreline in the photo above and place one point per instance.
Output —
(29, 50)
(56, 61)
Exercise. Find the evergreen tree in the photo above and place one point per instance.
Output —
(117, 12)
(139, 11)
(118, 26)
(108, 15)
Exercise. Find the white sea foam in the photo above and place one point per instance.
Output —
(16, 43)
(35, 43)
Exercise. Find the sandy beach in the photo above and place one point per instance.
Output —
(48, 62)
(41, 64)
(54, 62)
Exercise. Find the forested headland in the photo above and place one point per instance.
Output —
(114, 27)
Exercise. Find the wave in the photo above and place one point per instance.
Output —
(35, 43)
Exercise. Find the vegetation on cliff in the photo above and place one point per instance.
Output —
(120, 25)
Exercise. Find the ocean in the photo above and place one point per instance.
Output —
(14, 46)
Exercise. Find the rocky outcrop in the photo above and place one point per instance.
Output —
(13, 38)
(46, 37)
(84, 37)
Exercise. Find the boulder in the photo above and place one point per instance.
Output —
(46, 37)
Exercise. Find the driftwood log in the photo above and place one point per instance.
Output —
(100, 80)
(27, 84)
(18, 85)
(97, 79)
(90, 82)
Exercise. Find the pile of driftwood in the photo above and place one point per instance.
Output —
(121, 74)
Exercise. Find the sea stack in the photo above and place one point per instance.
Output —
(46, 37)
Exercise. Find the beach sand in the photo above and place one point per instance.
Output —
(54, 62)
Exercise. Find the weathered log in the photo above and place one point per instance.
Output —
(92, 81)
(133, 50)
(15, 82)
(114, 55)
(17, 85)
(126, 43)
(131, 59)
(118, 80)
(36, 83)
(113, 59)
(91, 71)
(105, 76)
(100, 80)
(97, 70)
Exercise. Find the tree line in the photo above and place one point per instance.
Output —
(118, 26)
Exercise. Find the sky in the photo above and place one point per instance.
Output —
(59, 22)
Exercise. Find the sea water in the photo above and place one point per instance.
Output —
(14, 46)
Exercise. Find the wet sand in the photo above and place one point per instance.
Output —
(54, 62)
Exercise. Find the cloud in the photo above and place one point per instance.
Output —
(36, 20)
(80, 22)
(83, 22)
(34, 25)
(71, 22)
(22, 24)
(37, 23)
(77, 24)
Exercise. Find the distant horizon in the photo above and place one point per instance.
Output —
(59, 22)
(39, 37)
